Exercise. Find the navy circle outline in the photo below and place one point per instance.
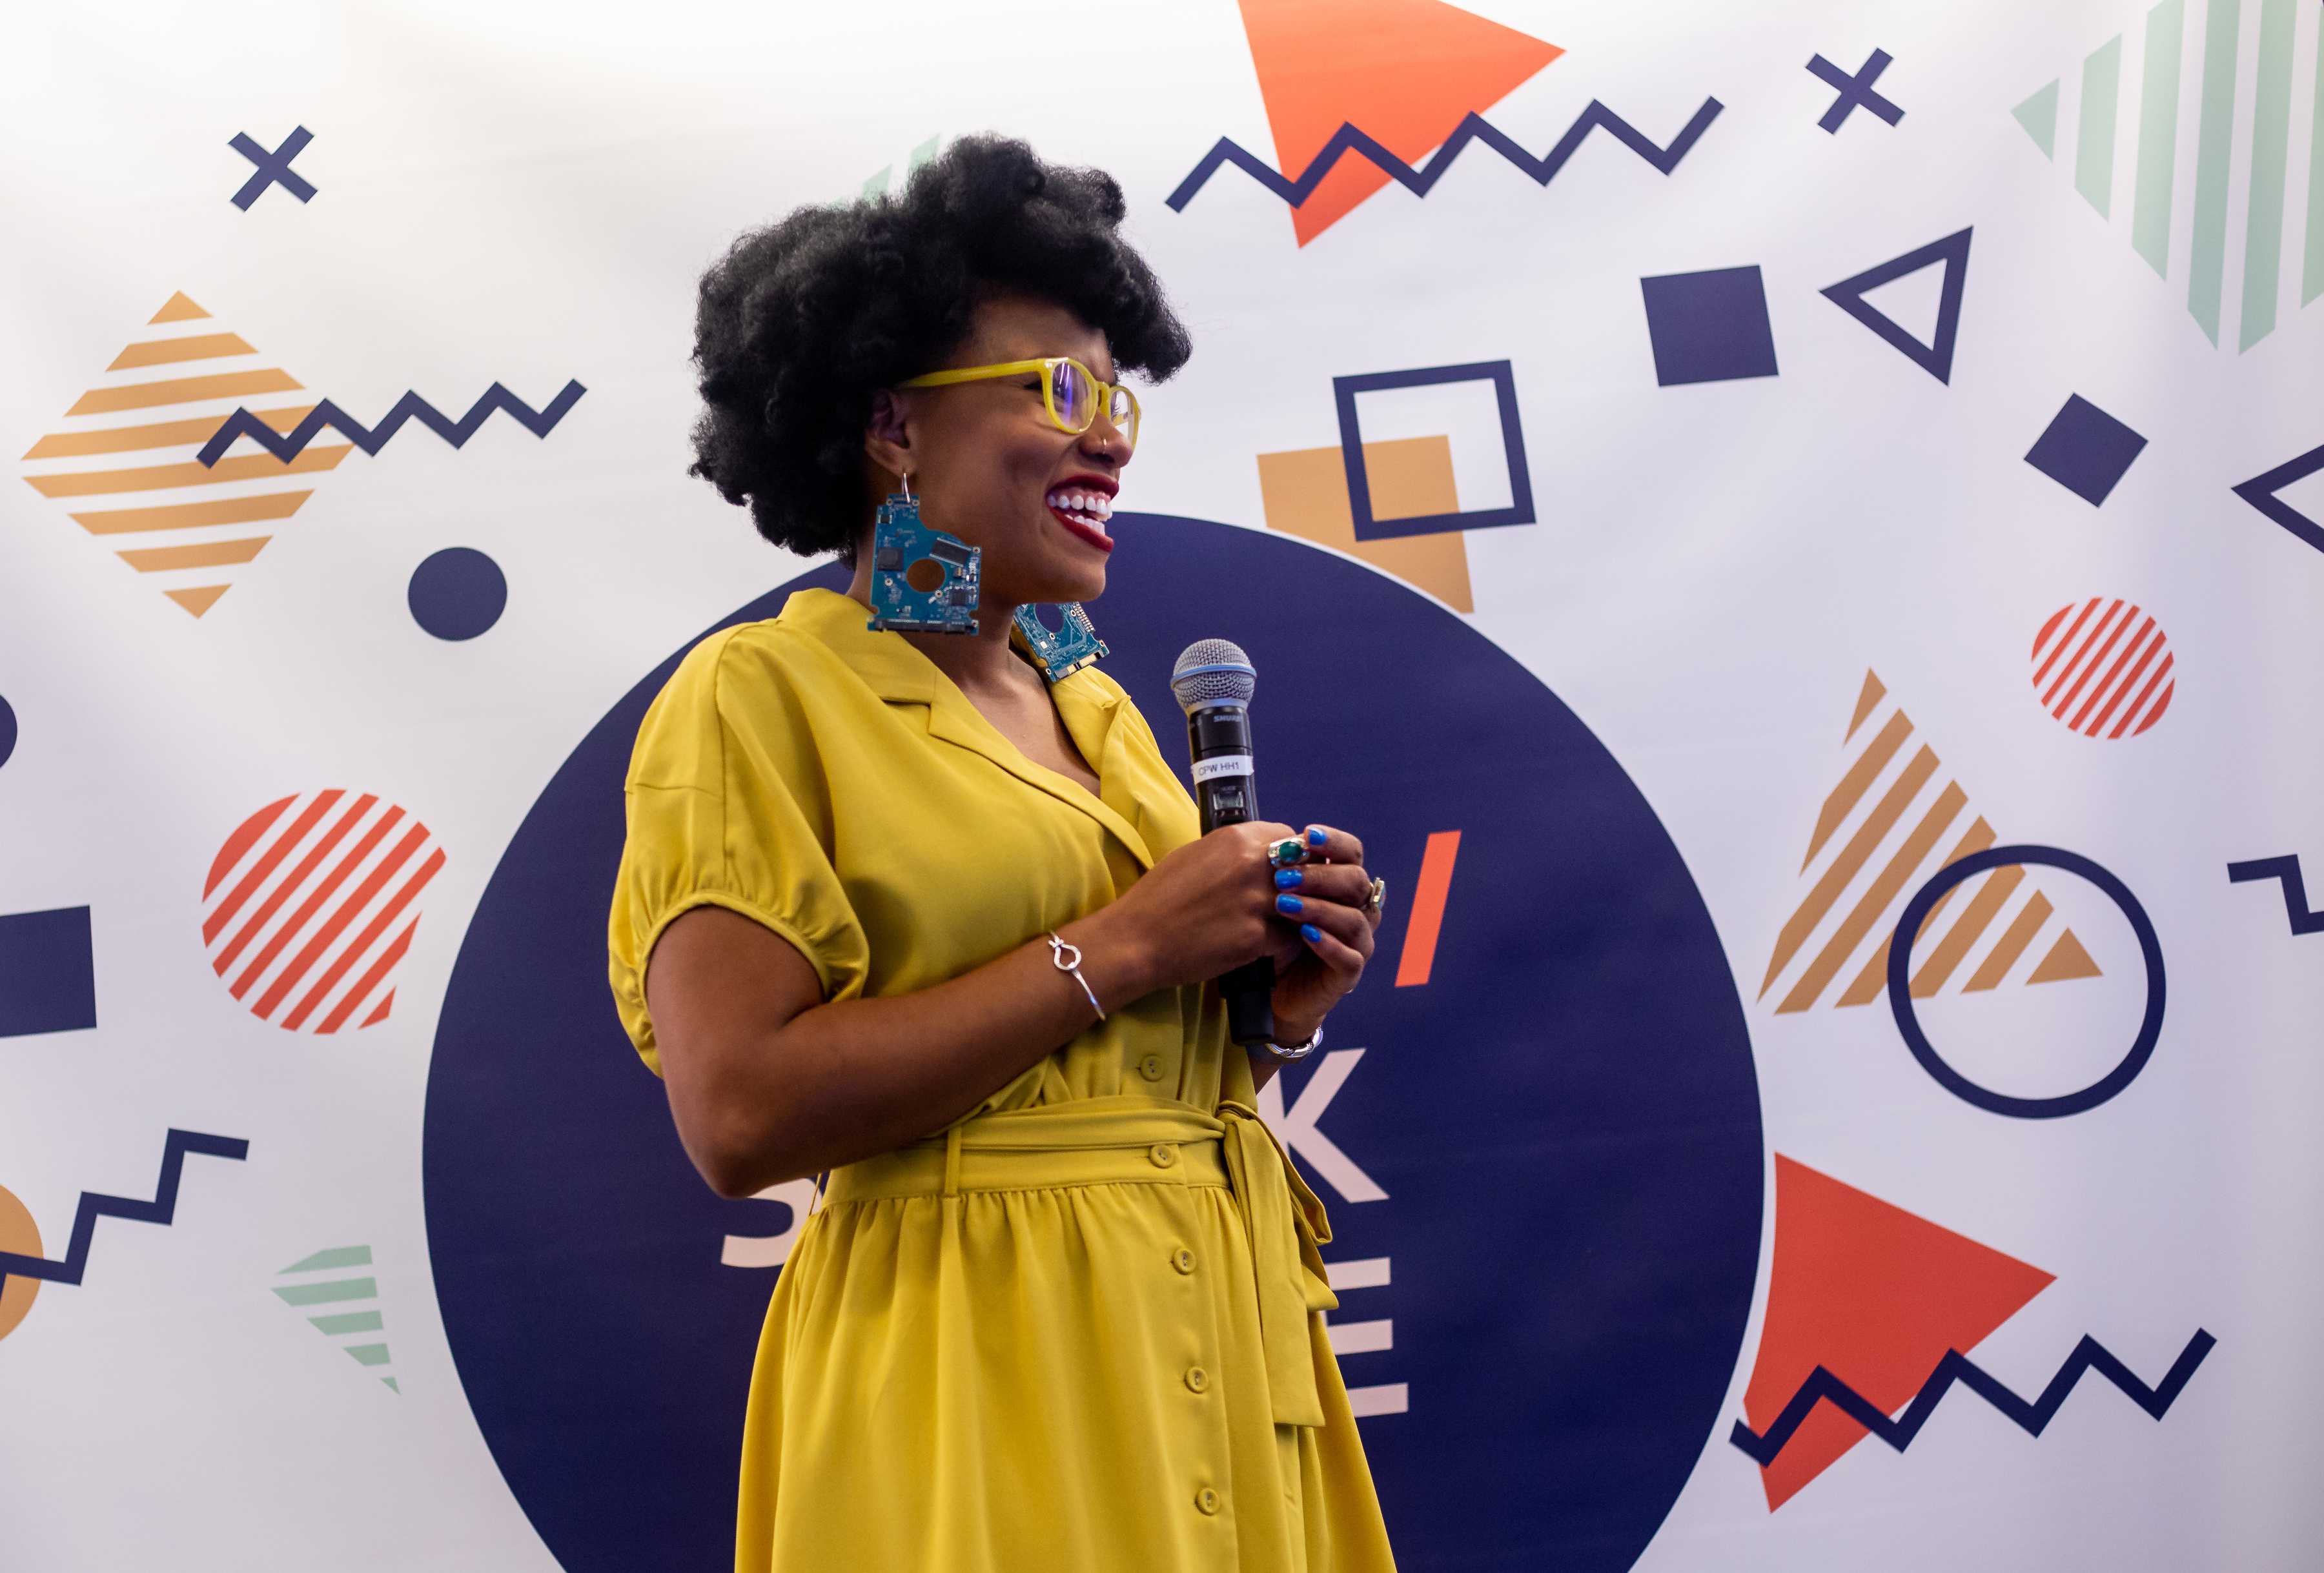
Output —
(557, 1196)
(1908, 1025)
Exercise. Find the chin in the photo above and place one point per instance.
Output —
(1080, 585)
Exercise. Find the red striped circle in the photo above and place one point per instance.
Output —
(2103, 667)
(312, 902)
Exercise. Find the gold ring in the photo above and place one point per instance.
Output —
(1377, 905)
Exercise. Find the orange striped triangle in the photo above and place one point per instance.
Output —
(1875, 841)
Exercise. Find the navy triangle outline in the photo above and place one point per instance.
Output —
(1936, 359)
(2261, 490)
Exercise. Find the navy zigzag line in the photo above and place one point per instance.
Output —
(2304, 921)
(161, 1210)
(2033, 1417)
(1473, 127)
(411, 407)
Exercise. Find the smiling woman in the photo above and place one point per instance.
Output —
(1060, 1304)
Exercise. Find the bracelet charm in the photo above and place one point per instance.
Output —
(1067, 958)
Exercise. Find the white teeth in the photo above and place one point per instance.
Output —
(1088, 508)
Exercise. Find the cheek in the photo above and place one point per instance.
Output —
(1025, 463)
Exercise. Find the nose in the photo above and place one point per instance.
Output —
(1103, 439)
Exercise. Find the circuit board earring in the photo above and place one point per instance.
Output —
(1067, 651)
(923, 581)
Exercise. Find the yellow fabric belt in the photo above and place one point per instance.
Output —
(1097, 1141)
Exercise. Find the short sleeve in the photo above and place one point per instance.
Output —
(726, 804)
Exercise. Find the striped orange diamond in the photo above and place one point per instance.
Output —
(123, 461)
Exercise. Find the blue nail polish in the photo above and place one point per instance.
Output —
(1289, 904)
(1310, 933)
(1317, 838)
(1285, 878)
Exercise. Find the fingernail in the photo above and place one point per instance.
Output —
(1316, 836)
(1310, 933)
(1289, 904)
(1285, 878)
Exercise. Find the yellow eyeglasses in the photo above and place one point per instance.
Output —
(1070, 391)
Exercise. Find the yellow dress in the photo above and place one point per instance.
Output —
(1081, 1327)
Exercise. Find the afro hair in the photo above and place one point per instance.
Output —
(803, 321)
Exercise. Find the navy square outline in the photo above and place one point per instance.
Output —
(1709, 326)
(1351, 451)
(2085, 450)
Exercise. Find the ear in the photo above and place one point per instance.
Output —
(887, 436)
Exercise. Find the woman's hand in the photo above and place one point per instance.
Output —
(1203, 908)
(1327, 953)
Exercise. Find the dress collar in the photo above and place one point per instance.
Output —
(899, 673)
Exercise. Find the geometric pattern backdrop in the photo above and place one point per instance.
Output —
(1697, 482)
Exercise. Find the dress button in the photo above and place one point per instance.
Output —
(1197, 1379)
(1183, 1259)
(1163, 1154)
(1207, 1500)
(1150, 1067)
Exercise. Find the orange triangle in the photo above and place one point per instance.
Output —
(1404, 71)
(198, 599)
(1872, 693)
(2067, 959)
(1875, 1294)
(177, 308)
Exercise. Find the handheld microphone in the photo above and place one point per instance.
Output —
(1213, 681)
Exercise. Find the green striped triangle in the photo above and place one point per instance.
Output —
(336, 1256)
(325, 1291)
(876, 186)
(2283, 235)
(2039, 116)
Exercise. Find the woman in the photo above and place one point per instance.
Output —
(895, 884)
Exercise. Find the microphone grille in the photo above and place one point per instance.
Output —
(1213, 672)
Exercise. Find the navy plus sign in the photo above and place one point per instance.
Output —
(1855, 90)
(273, 168)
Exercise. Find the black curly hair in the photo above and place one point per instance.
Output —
(801, 322)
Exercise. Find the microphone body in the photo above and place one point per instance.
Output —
(1213, 681)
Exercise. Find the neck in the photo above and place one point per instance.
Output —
(983, 662)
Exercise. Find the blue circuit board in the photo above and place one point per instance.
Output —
(1061, 654)
(922, 579)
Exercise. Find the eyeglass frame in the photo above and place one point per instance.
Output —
(1047, 365)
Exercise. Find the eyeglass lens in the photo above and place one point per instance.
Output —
(1075, 394)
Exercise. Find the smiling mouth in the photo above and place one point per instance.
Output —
(1084, 512)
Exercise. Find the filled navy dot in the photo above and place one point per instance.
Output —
(7, 732)
(458, 593)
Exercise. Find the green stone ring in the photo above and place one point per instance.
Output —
(1290, 849)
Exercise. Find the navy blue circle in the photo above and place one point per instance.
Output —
(458, 593)
(7, 732)
(1908, 1022)
(1564, 1117)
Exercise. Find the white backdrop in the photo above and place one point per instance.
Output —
(528, 196)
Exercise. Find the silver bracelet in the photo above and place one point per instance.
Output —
(1067, 958)
(1291, 1054)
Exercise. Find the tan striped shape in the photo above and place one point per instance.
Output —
(1893, 819)
(136, 435)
